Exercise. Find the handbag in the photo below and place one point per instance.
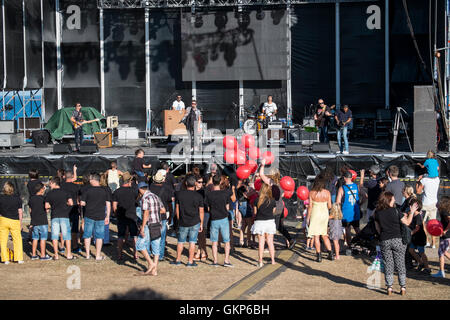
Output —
(405, 231)
(155, 230)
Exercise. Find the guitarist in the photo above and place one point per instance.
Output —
(322, 119)
(77, 118)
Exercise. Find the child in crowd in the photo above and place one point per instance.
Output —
(139, 164)
(113, 176)
(39, 221)
(418, 238)
(335, 232)
(431, 164)
(444, 244)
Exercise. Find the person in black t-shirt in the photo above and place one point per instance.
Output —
(418, 238)
(264, 226)
(218, 202)
(124, 208)
(39, 222)
(104, 184)
(60, 202)
(10, 222)
(33, 174)
(170, 182)
(139, 165)
(189, 211)
(96, 200)
(444, 244)
(74, 216)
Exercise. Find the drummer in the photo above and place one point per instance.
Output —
(269, 109)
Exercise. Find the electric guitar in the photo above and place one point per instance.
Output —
(76, 125)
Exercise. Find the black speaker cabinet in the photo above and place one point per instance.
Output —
(62, 148)
(88, 147)
(319, 147)
(293, 148)
(40, 138)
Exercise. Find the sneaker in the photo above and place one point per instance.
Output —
(428, 245)
(20, 262)
(176, 263)
(46, 258)
(338, 152)
(77, 250)
(6, 262)
(439, 274)
(193, 264)
(34, 257)
(229, 265)
(433, 247)
(344, 152)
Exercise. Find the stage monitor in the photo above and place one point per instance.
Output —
(230, 46)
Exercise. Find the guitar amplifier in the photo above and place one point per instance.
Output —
(275, 125)
(112, 122)
(103, 139)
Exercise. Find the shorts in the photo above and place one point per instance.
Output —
(74, 217)
(444, 245)
(421, 249)
(354, 224)
(430, 212)
(262, 227)
(230, 215)
(221, 225)
(123, 223)
(94, 227)
(61, 225)
(144, 243)
(192, 232)
(40, 232)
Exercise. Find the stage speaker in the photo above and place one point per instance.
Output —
(423, 98)
(40, 138)
(293, 148)
(319, 147)
(62, 148)
(88, 147)
(425, 136)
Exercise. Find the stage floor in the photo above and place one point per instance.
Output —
(359, 147)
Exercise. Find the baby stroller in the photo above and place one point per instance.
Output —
(366, 240)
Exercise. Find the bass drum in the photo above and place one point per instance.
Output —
(250, 126)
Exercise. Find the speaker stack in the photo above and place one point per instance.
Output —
(88, 147)
(425, 135)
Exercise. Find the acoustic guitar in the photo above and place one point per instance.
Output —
(76, 125)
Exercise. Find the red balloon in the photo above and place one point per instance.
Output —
(269, 157)
(252, 165)
(288, 194)
(435, 227)
(240, 157)
(285, 212)
(302, 193)
(243, 172)
(287, 183)
(258, 184)
(229, 142)
(254, 153)
(248, 140)
(230, 156)
(354, 174)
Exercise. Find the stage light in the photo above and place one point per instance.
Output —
(220, 20)
(243, 20)
(198, 20)
(260, 14)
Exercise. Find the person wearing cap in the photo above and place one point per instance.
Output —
(150, 230)
(160, 188)
(373, 188)
(124, 208)
(348, 198)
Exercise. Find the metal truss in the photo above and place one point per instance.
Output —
(155, 4)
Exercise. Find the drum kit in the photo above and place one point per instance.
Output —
(254, 120)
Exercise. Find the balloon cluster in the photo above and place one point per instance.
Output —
(244, 154)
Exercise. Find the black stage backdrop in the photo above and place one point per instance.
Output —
(227, 46)
(165, 59)
(313, 57)
(14, 50)
(362, 60)
(124, 32)
(256, 92)
(2, 54)
(33, 36)
(49, 37)
(80, 53)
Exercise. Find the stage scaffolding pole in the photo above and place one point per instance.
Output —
(24, 84)
(43, 66)
(289, 69)
(102, 63)
(241, 103)
(148, 112)
(58, 55)
(447, 65)
(386, 55)
(338, 57)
